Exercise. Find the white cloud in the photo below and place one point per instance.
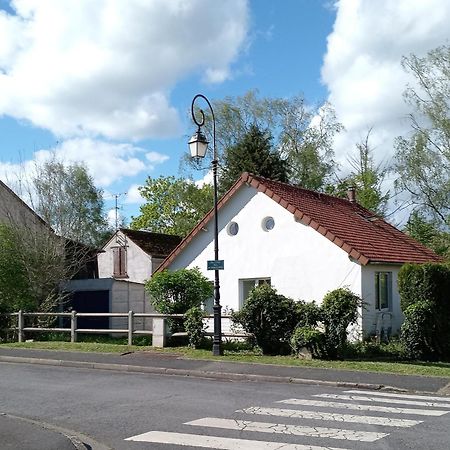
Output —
(362, 67)
(106, 67)
(133, 195)
(107, 162)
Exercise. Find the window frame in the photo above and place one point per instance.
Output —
(120, 262)
(381, 291)
(257, 282)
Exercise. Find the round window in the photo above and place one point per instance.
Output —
(268, 223)
(233, 228)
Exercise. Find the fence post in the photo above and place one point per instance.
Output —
(130, 327)
(20, 325)
(159, 335)
(73, 326)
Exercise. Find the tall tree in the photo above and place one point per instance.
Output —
(173, 205)
(423, 158)
(65, 196)
(366, 177)
(302, 133)
(253, 153)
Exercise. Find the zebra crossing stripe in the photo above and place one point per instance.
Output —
(291, 430)
(394, 395)
(362, 407)
(383, 400)
(293, 413)
(221, 443)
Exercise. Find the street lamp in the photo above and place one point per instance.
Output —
(198, 145)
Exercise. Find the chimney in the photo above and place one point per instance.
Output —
(351, 194)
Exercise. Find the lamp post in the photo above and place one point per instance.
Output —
(198, 145)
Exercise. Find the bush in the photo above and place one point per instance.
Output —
(270, 317)
(194, 326)
(339, 311)
(309, 314)
(309, 338)
(177, 291)
(425, 282)
(418, 332)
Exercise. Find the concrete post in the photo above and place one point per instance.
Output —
(73, 326)
(130, 327)
(20, 326)
(159, 336)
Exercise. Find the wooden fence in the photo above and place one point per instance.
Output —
(160, 331)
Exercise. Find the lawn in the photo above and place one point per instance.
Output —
(440, 369)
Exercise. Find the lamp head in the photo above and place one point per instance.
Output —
(198, 144)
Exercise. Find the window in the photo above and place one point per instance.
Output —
(268, 223)
(248, 285)
(233, 229)
(383, 290)
(120, 261)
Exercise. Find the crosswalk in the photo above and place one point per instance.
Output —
(352, 416)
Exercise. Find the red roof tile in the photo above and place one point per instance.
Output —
(363, 235)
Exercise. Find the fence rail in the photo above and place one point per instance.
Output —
(159, 332)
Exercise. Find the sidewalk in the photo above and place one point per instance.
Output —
(174, 364)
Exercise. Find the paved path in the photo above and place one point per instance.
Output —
(173, 364)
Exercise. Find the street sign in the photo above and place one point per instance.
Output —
(215, 264)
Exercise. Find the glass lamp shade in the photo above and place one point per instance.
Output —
(198, 145)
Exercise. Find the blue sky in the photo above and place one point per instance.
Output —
(110, 83)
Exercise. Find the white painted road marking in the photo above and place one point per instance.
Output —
(406, 396)
(368, 420)
(361, 407)
(221, 443)
(383, 400)
(291, 430)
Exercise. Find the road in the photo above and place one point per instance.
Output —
(139, 411)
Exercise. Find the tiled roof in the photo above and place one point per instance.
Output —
(155, 244)
(364, 236)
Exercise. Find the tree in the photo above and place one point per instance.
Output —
(423, 159)
(303, 134)
(65, 196)
(428, 233)
(173, 205)
(366, 177)
(254, 154)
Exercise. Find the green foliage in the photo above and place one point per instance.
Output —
(194, 326)
(309, 314)
(311, 339)
(254, 154)
(270, 317)
(307, 148)
(366, 178)
(428, 233)
(175, 292)
(429, 281)
(339, 311)
(418, 332)
(423, 160)
(173, 205)
(69, 202)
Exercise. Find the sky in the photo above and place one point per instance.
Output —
(109, 83)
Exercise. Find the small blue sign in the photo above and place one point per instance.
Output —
(215, 264)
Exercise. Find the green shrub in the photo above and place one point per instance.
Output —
(175, 292)
(309, 314)
(270, 317)
(194, 326)
(311, 339)
(424, 282)
(339, 311)
(418, 332)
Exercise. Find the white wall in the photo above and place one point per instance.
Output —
(370, 315)
(301, 263)
(139, 263)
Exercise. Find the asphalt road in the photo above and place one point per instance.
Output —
(162, 412)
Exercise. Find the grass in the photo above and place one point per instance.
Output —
(231, 353)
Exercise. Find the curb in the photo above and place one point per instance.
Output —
(196, 373)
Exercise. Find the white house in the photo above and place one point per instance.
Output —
(304, 244)
(125, 262)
